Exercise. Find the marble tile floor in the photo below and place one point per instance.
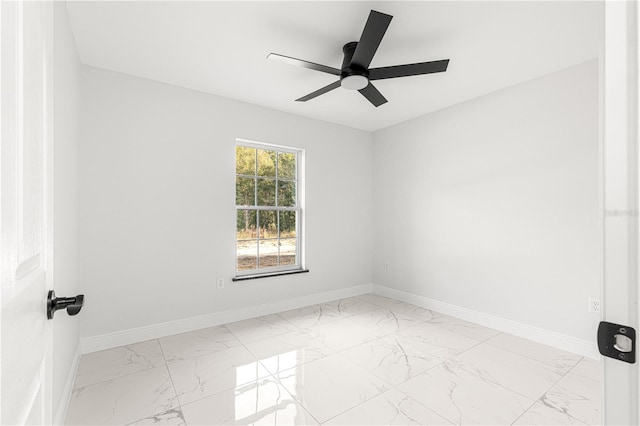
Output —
(357, 361)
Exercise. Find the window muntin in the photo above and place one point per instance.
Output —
(268, 208)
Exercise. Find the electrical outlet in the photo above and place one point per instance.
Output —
(387, 266)
(594, 305)
(220, 282)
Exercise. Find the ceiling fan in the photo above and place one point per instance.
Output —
(355, 73)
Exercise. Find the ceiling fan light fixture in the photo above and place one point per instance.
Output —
(355, 73)
(354, 82)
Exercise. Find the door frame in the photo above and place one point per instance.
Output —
(619, 166)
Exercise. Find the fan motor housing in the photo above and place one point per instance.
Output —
(349, 69)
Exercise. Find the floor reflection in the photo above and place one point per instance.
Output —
(265, 401)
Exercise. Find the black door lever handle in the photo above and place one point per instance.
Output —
(71, 304)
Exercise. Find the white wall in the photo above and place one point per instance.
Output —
(492, 204)
(66, 329)
(157, 202)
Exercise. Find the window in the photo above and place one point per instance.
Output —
(268, 207)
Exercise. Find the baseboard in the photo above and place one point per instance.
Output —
(540, 335)
(155, 331)
(65, 399)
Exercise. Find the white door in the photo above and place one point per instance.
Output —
(25, 210)
(621, 400)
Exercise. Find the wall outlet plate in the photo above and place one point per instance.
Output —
(594, 305)
(220, 282)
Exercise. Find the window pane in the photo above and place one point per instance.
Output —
(245, 191)
(288, 251)
(266, 178)
(286, 193)
(287, 165)
(247, 254)
(266, 192)
(246, 225)
(245, 160)
(268, 224)
(288, 224)
(266, 163)
(268, 253)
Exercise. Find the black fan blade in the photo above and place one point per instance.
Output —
(319, 92)
(304, 64)
(409, 69)
(372, 34)
(373, 95)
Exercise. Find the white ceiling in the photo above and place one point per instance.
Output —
(221, 48)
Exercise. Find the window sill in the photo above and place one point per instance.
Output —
(268, 275)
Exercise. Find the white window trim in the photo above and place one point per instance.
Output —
(300, 223)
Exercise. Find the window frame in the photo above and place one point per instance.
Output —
(298, 208)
